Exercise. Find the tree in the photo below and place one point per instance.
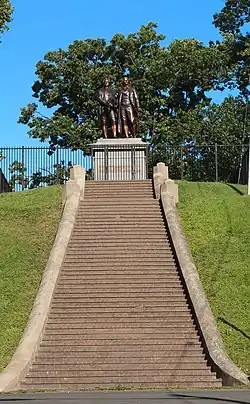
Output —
(6, 10)
(232, 22)
(167, 79)
(234, 15)
(226, 125)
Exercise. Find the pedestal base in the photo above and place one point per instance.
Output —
(120, 159)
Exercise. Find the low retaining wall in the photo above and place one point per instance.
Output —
(21, 361)
(224, 367)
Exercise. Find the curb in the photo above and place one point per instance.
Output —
(20, 363)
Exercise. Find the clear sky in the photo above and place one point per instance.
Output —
(40, 26)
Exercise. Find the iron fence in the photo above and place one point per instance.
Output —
(30, 167)
(213, 163)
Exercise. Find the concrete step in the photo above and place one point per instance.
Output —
(146, 315)
(141, 324)
(118, 280)
(125, 244)
(127, 375)
(118, 334)
(118, 370)
(170, 355)
(100, 309)
(119, 256)
(117, 261)
(151, 207)
(159, 272)
(119, 202)
(141, 344)
(120, 249)
(128, 268)
(102, 301)
(131, 218)
(111, 285)
(111, 236)
(119, 193)
(123, 291)
(80, 386)
(119, 362)
(101, 183)
(85, 350)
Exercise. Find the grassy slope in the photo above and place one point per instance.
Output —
(28, 224)
(216, 222)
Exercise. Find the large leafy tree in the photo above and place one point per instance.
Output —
(167, 79)
(6, 10)
(225, 125)
(233, 22)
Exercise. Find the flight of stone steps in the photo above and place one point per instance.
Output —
(119, 316)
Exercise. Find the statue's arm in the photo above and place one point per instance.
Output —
(137, 103)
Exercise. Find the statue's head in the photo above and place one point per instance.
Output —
(126, 82)
(106, 82)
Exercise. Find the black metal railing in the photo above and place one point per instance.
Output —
(31, 167)
(214, 163)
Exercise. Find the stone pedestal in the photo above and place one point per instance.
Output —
(120, 159)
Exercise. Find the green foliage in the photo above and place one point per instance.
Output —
(216, 222)
(202, 128)
(18, 177)
(234, 15)
(60, 175)
(232, 22)
(31, 218)
(168, 80)
(6, 11)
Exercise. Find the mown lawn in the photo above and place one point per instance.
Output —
(216, 222)
(28, 225)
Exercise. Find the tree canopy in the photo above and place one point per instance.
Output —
(6, 10)
(168, 80)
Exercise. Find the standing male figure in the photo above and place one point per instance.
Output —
(108, 107)
(128, 109)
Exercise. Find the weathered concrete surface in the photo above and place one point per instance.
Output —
(225, 368)
(21, 360)
(120, 159)
(135, 397)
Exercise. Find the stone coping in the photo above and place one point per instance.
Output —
(221, 363)
(22, 358)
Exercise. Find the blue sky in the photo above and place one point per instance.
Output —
(40, 26)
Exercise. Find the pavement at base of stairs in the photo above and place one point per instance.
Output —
(241, 396)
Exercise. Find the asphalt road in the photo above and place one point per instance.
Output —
(133, 397)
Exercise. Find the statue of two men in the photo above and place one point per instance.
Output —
(120, 113)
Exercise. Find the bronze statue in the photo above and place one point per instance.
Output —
(107, 109)
(128, 109)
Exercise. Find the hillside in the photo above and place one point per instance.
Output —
(216, 222)
(28, 225)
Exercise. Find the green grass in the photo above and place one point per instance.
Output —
(216, 222)
(28, 225)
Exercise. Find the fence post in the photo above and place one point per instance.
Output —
(23, 168)
(147, 162)
(106, 157)
(57, 163)
(216, 163)
(182, 166)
